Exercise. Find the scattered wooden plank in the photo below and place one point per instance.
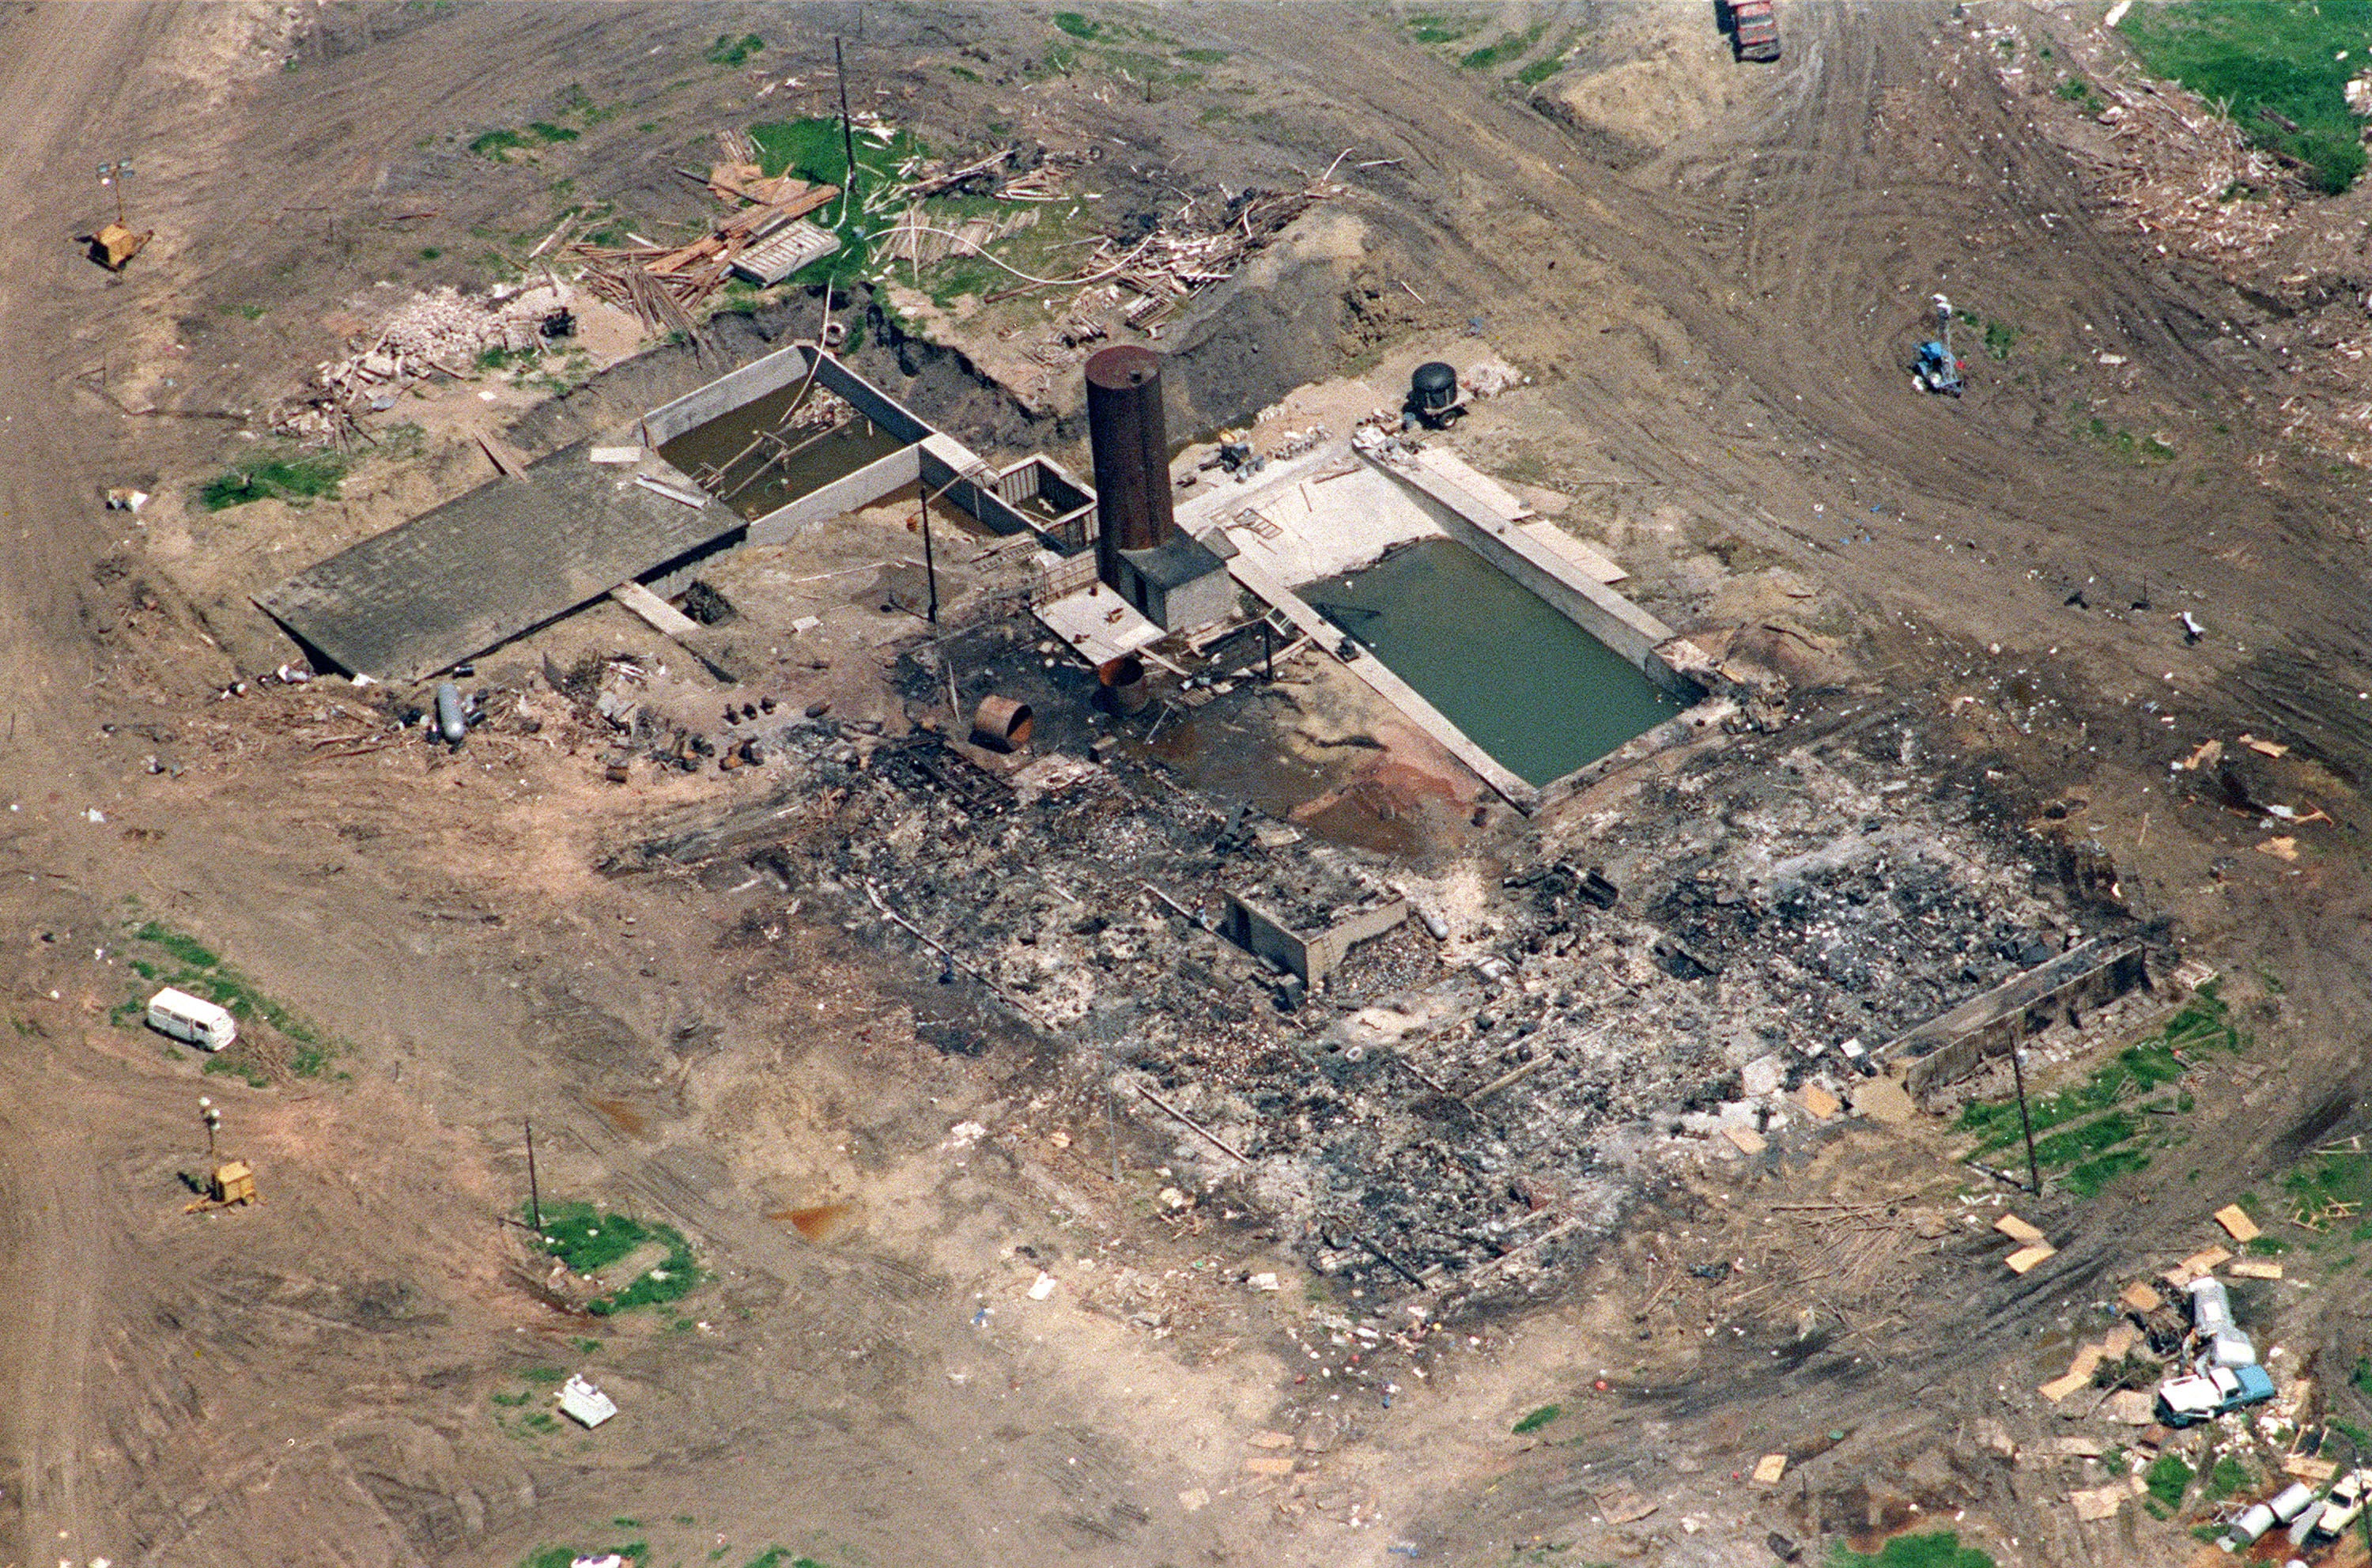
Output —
(2025, 1259)
(1749, 1142)
(2201, 1264)
(2018, 1230)
(1769, 1468)
(2252, 1269)
(1822, 1105)
(2141, 1297)
(2236, 1221)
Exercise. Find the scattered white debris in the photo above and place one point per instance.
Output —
(1044, 1288)
(962, 1135)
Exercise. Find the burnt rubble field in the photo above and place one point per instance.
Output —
(1468, 1100)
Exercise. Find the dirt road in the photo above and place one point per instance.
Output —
(1715, 279)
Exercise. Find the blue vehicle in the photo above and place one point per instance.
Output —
(2219, 1390)
(1938, 368)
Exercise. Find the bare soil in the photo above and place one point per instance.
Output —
(1715, 277)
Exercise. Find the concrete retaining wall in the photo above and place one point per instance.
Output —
(1952, 1045)
(728, 392)
(1311, 956)
(938, 460)
(846, 493)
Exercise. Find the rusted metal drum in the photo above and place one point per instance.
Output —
(1000, 724)
(1124, 678)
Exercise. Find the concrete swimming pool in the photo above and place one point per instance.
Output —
(1522, 680)
(1490, 629)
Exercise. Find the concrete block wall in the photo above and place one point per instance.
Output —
(846, 493)
(1312, 958)
(1948, 1048)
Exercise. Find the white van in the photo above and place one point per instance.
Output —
(192, 1018)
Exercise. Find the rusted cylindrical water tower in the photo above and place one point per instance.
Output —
(1129, 440)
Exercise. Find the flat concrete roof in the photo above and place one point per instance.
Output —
(485, 567)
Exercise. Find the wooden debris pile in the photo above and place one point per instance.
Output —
(1182, 257)
(918, 241)
(2172, 166)
(663, 284)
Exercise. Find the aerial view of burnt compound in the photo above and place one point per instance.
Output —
(928, 784)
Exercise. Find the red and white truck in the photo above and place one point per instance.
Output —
(1754, 30)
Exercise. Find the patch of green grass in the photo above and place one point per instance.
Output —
(2167, 1479)
(500, 358)
(2268, 1246)
(1203, 56)
(2124, 443)
(2076, 90)
(1541, 70)
(281, 473)
(547, 132)
(1506, 51)
(1438, 28)
(251, 312)
(187, 948)
(2229, 1476)
(1077, 25)
(811, 149)
(520, 1398)
(2085, 1180)
(2258, 59)
(2000, 337)
(1940, 1550)
(233, 1067)
(2091, 1138)
(587, 1240)
(963, 73)
(1538, 1418)
(2339, 1177)
(497, 144)
(729, 51)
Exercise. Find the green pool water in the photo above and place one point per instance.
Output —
(1525, 684)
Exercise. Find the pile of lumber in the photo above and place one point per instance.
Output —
(919, 241)
(1181, 259)
(663, 284)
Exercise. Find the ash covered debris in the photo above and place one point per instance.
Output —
(1467, 1099)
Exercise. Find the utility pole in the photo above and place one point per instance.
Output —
(115, 174)
(2018, 1076)
(534, 1197)
(930, 563)
(847, 131)
(212, 1119)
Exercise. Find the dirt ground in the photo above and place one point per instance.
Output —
(1714, 277)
